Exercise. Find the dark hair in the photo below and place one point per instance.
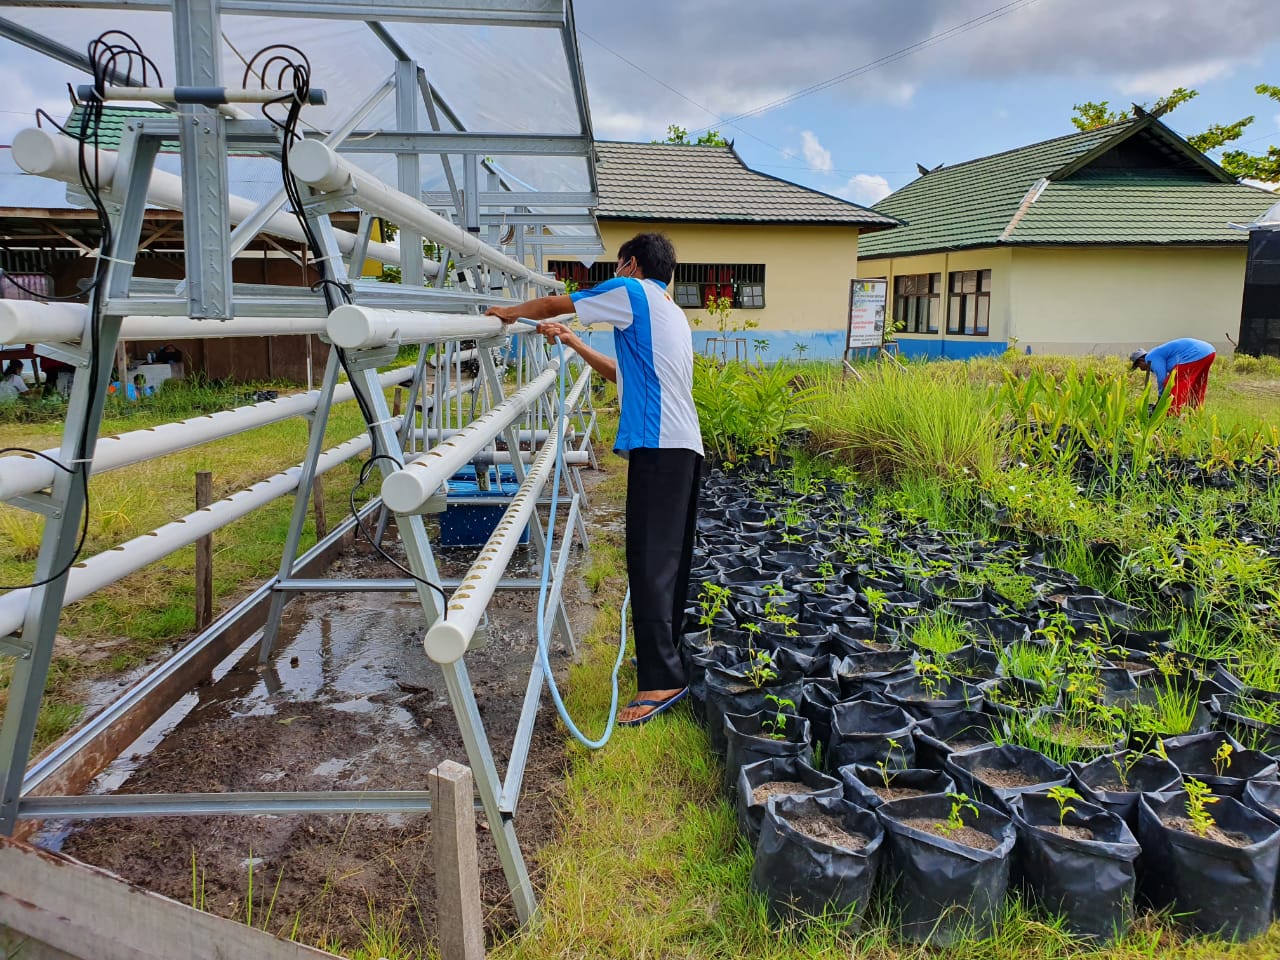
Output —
(653, 252)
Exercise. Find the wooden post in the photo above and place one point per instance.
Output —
(453, 827)
(204, 555)
(395, 402)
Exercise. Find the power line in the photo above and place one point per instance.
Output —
(961, 28)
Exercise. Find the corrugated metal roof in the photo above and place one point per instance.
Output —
(1087, 197)
(679, 182)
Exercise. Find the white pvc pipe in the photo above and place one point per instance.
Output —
(406, 490)
(118, 562)
(354, 327)
(319, 165)
(21, 475)
(31, 321)
(52, 155)
(449, 637)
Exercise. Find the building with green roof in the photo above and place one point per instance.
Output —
(1097, 242)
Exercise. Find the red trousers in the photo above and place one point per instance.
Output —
(1190, 381)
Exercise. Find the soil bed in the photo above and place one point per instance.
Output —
(1005, 778)
(1070, 833)
(777, 788)
(965, 836)
(896, 793)
(1229, 837)
(350, 701)
(829, 831)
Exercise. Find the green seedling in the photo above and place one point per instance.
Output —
(776, 726)
(929, 674)
(1199, 796)
(711, 600)
(1062, 796)
(960, 802)
(760, 668)
(883, 765)
(1222, 758)
(877, 600)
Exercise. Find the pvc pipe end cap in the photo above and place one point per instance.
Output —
(34, 150)
(312, 162)
(403, 493)
(445, 642)
(350, 327)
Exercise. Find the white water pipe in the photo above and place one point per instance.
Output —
(52, 155)
(21, 475)
(319, 165)
(354, 327)
(117, 563)
(406, 490)
(31, 321)
(448, 639)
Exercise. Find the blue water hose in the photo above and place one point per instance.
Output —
(543, 643)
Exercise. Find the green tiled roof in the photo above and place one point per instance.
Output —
(111, 126)
(1131, 182)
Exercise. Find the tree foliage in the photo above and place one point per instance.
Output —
(1239, 163)
(678, 134)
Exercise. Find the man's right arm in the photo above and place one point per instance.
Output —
(597, 361)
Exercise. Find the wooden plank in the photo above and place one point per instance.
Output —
(204, 555)
(91, 914)
(457, 867)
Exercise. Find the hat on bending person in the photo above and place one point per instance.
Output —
(1136, 358)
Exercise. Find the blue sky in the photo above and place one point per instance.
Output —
(985, 75)
(1000, 83)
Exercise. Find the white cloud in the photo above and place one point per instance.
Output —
(1158, 82)
(865, 189)
(21, 100)
(623, 125)
(816, 155)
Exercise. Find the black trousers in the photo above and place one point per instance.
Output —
(662, 510)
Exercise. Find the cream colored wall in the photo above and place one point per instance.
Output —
(807, 269)
(1115, 299)
(998, 260)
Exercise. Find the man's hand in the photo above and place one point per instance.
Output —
(505, 314)
(558, 333)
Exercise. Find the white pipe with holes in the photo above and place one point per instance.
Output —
(406, 490)
(117, 563)
(52, 155)
(31, 321)
(449, 638)
(21, 475)
(321, 166)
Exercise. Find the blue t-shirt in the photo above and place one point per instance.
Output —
(1169, 355)
(654, 348)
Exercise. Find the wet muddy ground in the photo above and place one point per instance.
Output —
(349, 702)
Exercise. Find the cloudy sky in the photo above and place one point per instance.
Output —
(956, 79)
(847, 96)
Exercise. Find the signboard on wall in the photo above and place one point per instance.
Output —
(867, 302)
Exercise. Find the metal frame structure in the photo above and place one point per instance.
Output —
(469, 235)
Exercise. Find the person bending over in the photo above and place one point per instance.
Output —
(658, 434)
(1188, 360)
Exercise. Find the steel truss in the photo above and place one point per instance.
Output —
(453, 416)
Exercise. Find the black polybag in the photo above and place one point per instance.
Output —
(1090, 883)
(1213, 887)
(945, 891)
(863, 731)
(1008, 756)
(803, 877)
(781, 770)
(1193, 756)
(860, 782)
(935, 737)
(748, 740)
(1146, 773)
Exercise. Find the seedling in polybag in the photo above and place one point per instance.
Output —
(760, 668)
(877, 600)
(929, 674)
(1062, 796)
(883, 765)
(1222, 758)
(776, 726)
(960, 802)
(1199, 796)
(711, 600)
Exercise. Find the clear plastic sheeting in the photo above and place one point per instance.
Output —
(497, 79)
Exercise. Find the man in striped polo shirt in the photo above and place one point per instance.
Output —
(658, 434)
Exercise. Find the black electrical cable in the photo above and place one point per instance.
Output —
(296, 75)
(109, 59)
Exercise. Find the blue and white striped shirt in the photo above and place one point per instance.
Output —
(654, 347)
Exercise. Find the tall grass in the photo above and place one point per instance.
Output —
(897, 424)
